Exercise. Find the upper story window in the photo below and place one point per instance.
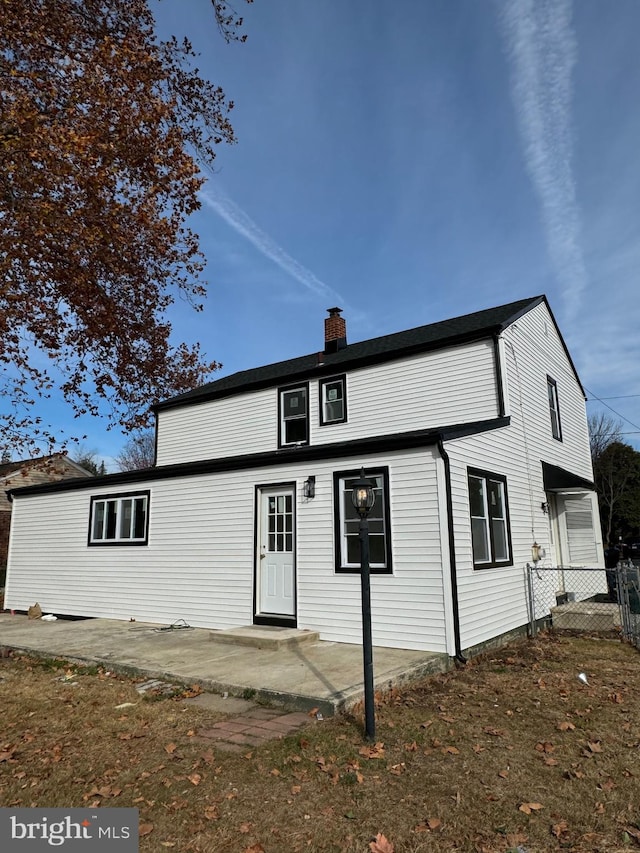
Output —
(554, 409)
(490, 530)
(119, 519)
(294, 415)
(333, 400)
(347, 523)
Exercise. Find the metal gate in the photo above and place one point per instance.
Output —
(585, 599)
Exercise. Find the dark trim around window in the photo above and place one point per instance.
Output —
(342, 566)
(330, 380)
(304, 419)
(554, 408)
(117, 540)
(492, 562)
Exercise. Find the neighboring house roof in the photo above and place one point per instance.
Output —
(8, 469)
(469, 327)
(36, 471)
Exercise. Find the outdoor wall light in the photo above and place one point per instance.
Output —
(544, 507)
(309, 488)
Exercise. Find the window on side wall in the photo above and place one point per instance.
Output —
(554, 409)
(490, 530)
(347, 523)
(333, 400)
(294, 416)
(119, 519)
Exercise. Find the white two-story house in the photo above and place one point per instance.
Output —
(473, 430)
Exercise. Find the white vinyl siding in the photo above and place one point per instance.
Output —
(494, 602)
(244, 423)
(200, 558)
(432, 389)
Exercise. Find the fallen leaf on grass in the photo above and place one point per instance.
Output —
(493, 732)
(565, 727)
(609, 785)
(559, 828)
(503, 774)
(594, 746)
(527, 808)
(195, 778)
(381, 844)
(211, 813)
(451, 750)
(244, 828)
(545, 746)
(551, 762)
(428, 825)
(170, 748)
(145, 829)
(375, 751)
(255, 848)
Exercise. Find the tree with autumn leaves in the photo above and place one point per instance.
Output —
(102, 128)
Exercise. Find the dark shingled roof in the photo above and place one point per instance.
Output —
(479, 324)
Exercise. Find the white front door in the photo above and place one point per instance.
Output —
(275, 576)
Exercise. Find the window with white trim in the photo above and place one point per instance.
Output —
(294, 415)
(489, 508)
(119, 519)
(347, 523)
(554, 408)
(333, 400)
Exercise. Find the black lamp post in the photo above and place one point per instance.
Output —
(364, 497)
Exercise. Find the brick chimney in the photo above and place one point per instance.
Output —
(335, 331)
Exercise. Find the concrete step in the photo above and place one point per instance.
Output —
(264, 636)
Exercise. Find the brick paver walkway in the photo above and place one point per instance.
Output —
(254, 728)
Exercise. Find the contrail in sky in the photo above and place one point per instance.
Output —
(244, 225)
(542, 50)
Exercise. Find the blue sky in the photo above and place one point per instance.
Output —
(415, 161)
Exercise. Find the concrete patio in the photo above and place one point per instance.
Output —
(274, 666)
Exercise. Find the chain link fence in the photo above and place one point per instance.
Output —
(584, 599)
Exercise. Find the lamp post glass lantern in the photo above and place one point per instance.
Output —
(364, 497)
